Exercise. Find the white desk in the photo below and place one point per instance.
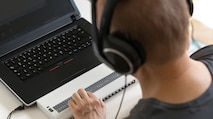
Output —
(8, 101)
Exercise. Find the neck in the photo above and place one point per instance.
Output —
(174, 82)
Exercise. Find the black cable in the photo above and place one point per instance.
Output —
(21, 107)
(122, 99)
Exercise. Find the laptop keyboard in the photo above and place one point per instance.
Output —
(56, 49)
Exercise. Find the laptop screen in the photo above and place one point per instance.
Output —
(20, 17)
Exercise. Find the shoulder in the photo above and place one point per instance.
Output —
(146, 108)
(205, 52)
(155, 109)
(138, 111)
(205, 55)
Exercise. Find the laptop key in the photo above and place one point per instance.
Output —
(49, 53)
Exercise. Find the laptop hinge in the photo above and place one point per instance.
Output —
(74, 17)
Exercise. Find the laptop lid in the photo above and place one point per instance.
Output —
(24, 21)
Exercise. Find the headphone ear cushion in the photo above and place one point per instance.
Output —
(123, 57)
(191, 6)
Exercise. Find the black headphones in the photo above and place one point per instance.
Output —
(190, 6)
(118, 51)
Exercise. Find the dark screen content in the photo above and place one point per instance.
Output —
(17, 9)
(22, 21)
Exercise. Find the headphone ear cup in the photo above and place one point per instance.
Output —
(121, 55)
(191, 6)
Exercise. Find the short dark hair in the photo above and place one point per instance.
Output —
(161, 26)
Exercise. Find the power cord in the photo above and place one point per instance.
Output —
(21, 107)
(122, 99)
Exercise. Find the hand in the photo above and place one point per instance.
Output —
(85, 105)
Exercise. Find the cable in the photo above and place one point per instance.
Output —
(21, 107)
(122, 99)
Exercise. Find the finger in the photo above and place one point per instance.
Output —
(91, 95)
(102, 103)
(71, 103)
(76, 97)
(83, 93)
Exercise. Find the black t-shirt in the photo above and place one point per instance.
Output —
(199, 108)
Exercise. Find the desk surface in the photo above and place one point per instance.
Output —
(8, 101)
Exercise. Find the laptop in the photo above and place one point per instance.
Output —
(46, 55)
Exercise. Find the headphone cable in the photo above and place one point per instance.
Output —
(122, 99)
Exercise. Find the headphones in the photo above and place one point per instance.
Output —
(190, 6)
(118, 51)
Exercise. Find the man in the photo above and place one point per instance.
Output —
(174, 85)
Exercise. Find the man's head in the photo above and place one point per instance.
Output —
(160, 26)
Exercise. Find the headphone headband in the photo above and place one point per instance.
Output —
(118, 51)
(105, 21)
